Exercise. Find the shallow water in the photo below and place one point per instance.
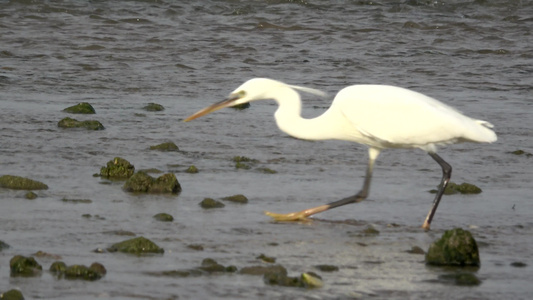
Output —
(120, 55)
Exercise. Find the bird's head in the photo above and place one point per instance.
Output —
(251, 90)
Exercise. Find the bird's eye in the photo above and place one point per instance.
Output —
(241, 94)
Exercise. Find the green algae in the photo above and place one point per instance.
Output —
(21, 183)
(456, 247)
(58, 268)
(153, 107)
(240, 165)
(81, 108)
(118, 168)
(169, 146)
(267, 170)
(24, 266)
(236, 199)
(94, 272)
(141, 182)
(163, 217)
(209, 203)
(12, 294)
(139, 245)
(73, 123)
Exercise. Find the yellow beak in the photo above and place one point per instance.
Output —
(214, 107)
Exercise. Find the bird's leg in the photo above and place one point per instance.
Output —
(360, 196)
(446, 174)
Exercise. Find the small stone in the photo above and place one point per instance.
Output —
(163, 217)
(209, 203)
(30, 196)
(192, 170)
(416, 250)
(153, 107)
(21, 183)
(24, 266)
(73, 123)
(12, 295)
(58, 267)
(237, 199)
(456, 247)
(169, 146)
(518, 264)
(267, 259)
(118, 168)
(81, 108)
(327, 268)
(139, 245)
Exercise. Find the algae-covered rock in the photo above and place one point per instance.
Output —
(209, 203)
(139, 245)
(24, 266)
(82, 272)
(192, 170)
(210, 265)
(240, 165)
(58, 268)
(170, 146)
(456, 247)
(153, 107)
(164, 217)
(73, 123)
(3, 245)
(462, 279)
(30, 196)
(117, 168)
(521, 152)
(81, 108)
(237, 199)
(267, 170)
(21, 183)
(280, 278)
(416, 250)
(463, 188)
(141, 182)
(12, 295)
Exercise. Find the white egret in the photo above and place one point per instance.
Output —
(378, 116)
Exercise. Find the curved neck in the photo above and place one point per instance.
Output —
(289, 120)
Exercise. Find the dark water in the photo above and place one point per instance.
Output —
(120, 55)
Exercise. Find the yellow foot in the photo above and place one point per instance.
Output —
(426, 226)
(295, 216)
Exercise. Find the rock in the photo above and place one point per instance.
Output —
(21, 183)
(30, 196)
(262, 270)
(81, 272)
(311, 280)
(170, 146)
(210, 265)
(456, 247)
(237, 199)
(163, 217)
(141, 182)
(192, 170)
(463, 279)
(416, 250)
(12, 295)
(24, 266)
(267, 171)
(240, 165)
(370, 231)
(58, 268)
(266, 259)
(518, 264)
(463, 188)
(117, 168)
(327, 268)
(73, 123)
(81, 108)
(209, 203)
(153, 107)
(3, 245)
(139, 245)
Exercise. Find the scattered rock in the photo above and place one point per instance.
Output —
(21, 183)
(196, 247)
(463, 188)
(94, 272)
(164, 217)
(153, 107)
(209, 203)
(416, 250)
(192, 170)
(463, 279)
(12, 295)
(518, 264)
(456, 247)
(81, 108)
(30, 196)
(237, 199)
(118, 168)
(76, 201)
(139, 245)
(24, 266)
(3, 245)
(170, 146)
(58, 268)
(141, 182)
(262, 270)
(521, 152)
(370, 231)
(267, 171)
(267, 259)
(327, 268)
(210, 265)
(73, 123)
